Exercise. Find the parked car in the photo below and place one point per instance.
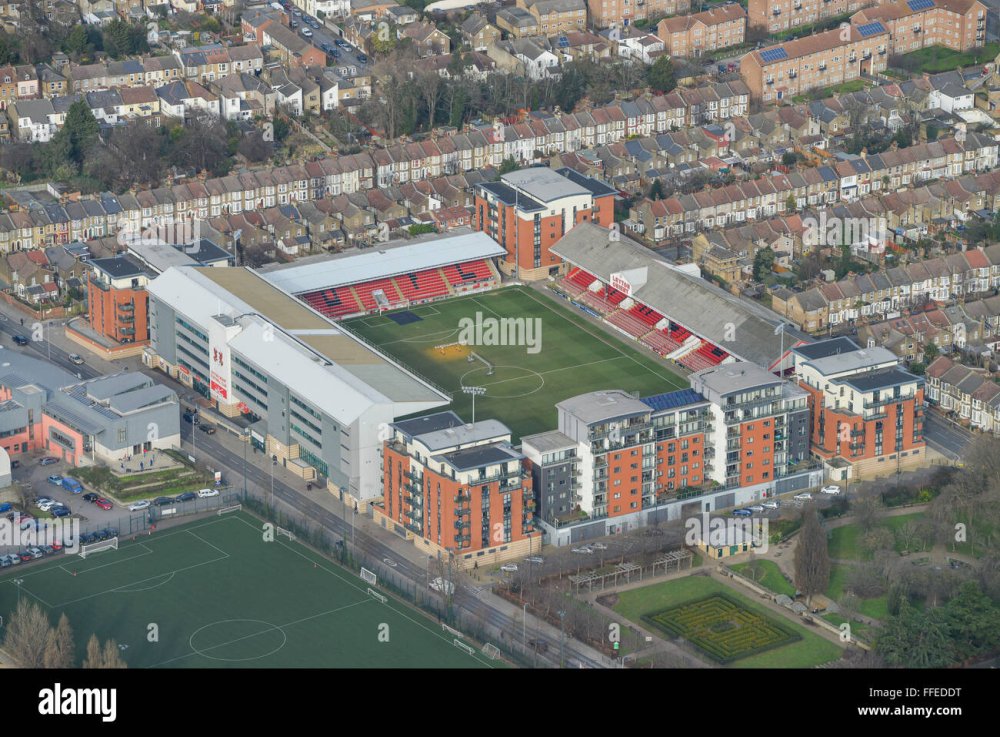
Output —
(509, 568)
(136, 506)
(104, 504)
(14, 559)
(803, 497)
(76, 358)
(55, 479)
(536, 559)
(203, 493)
(21, 340)
(162, 501)
(187, 496)
(306, 32)
(773, 504)
(207, 429)
(25, 556)
(41, 501)
(47, 549)
(742, 513)
(47, 461)
(72, 485)
(61, 510)
(4, 561)
(6, 507)
(362, 59)
(539, 645)
(585, 550)
(831, 490)
(756, 508)
(599, 546)
(36, 553)
(444, 586)
(90, 497)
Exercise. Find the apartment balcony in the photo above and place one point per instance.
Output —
(462, 539)
(461, 525)
(461, 498)
(792, 75)
(125, 306)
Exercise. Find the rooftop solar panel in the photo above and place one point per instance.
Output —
(920, 4)
(672, 400)
(870, 29)
(776, 54)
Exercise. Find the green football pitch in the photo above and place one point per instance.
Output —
(216, 594)
(575, 356)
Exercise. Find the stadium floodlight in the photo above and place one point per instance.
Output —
(474, 391)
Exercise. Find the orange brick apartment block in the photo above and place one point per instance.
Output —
(621, 13)
(528, 211)
(866, 410)
(829, 58)
(780, 15)
(692, 35)
(914, 24)
(117, 298)
(462, 488)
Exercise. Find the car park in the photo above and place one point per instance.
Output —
(203, 493)
(55, 479)
(136, 506)
(186, 496)
(104, 504)
(47, 461)
(773, 504)
(509, 568)
(803, 497)
(76, 359)
(14, 559)
(831, 490)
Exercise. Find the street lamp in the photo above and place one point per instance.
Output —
(274, 462)
(17, 582)
(246, 435)
(474, 391)
(524, 624)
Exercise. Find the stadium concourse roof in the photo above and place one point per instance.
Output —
(386, 262)
(742, 328)
(306, 350)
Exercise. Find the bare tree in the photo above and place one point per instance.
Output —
(812, 559)
(430, 86)
(868, 510)
(27, 635)
(106, 657)
(60, 651)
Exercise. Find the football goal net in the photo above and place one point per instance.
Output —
(368, 577)
(491, 651)
(110, 544)
(287, 533)
(227, 510)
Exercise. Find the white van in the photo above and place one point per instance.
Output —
(203, 493)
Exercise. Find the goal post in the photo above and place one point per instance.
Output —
(376, 595)
(109, 544)
(491, 651)
(368, 577)
(231, 508)
(287, 533)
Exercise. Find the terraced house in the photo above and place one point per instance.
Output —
(971, 393)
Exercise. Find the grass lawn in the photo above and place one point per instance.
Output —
(770, 577)
(845, 541)
(934, 59)
(858, 629)
(838, 581)
(169, 482)
(574, 357)
(810, 651)
(222, 596)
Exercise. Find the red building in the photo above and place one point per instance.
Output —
(117, 299)
(529, 210)
(462, 490)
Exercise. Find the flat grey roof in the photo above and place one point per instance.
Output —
(543, 184)
(546, 442)
(603, 405)
(449, 437)
(858, 360)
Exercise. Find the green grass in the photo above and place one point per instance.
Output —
(220, 596)
(575, 357)
(769, 576)
(168, 482)
(844, 542)
(858, 629)
(722, 628)
(810, 651)
(934, 59)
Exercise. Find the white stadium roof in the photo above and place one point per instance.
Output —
(383, 263)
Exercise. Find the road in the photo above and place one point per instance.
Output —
(232, 465)
(44, 348)
(946, 437)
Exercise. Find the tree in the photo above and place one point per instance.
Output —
(763, 262)
(661, 75)
(27, 635)
(429, 85)
(203, 145)
(106, 657)
(812, 559)
(508, 165)
(59, 649)
(656, 190)
(77, 43)
(790, 204)
(74, 139)
(254, 148)
(914, 639)
(931, 351)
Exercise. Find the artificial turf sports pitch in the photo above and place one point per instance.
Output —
(575, 357)
(220, 596)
